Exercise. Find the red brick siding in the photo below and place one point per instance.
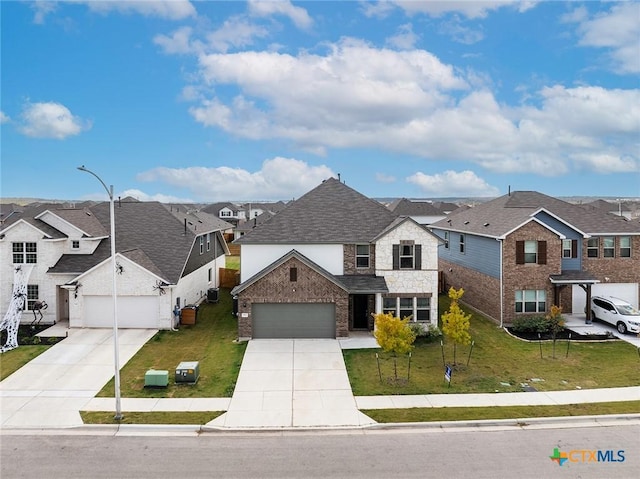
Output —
(276, 287)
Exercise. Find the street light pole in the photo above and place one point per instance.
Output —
(116, 360)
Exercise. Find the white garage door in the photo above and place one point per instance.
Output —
(133, 312)
(626, 291)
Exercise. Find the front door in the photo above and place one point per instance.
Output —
(360, 311)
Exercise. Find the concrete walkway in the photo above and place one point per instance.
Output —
(50, 390)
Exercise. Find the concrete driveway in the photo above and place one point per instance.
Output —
(51, 389)
(292, 383)
(577, 323)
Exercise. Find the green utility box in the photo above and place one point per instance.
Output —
(188, 372)
(156, 379)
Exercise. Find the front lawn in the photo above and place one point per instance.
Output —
(498, 362)
(211, 341)
(13, 360)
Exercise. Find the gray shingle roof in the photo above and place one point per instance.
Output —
(405, 207)
(502, 215)
(330, 213)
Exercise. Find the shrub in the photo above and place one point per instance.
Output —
(530, 324)
(425, 332)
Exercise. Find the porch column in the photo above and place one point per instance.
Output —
(378, 303)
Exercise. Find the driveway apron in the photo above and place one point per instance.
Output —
(292, 383)
(50, 390)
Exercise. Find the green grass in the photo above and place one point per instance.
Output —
(503, 412)
(174, 417)
(233, 262)
(13, 360)
(496, 358)
(211, 341)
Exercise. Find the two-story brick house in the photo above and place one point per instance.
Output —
(322, 266)
(166, 256)
(523, 252)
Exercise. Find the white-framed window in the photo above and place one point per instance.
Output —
(201, 244)
(418, 309)
(362, 255)
(462, 243)
(407, 255)
(566, 248)
(608, 247)
(625, 246)
(208, 241)
(423, 309)
(32, 295)
(225, 213)
(592, 247)
(209, 274)
(75, 244)
(531, 252)
(446, 240)
(25, 253)
(531, 301)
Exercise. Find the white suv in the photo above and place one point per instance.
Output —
(616, 312)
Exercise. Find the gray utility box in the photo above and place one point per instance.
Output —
(188, 372)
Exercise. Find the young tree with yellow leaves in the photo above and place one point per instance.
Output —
(455, 322)
(394, 336)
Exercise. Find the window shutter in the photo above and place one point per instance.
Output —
(418, 256)
(542, 252)
(519, 252)
(396, 256)
(574, 248)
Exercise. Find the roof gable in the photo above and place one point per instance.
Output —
(330, 213)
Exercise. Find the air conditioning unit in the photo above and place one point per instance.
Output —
(212, 295)
(187, 372)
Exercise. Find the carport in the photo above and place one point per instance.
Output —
(583, 279)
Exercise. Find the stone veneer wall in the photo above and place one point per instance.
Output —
(276, 287)
(481, 292)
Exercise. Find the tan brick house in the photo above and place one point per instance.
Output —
(322, 266)
(521, 253)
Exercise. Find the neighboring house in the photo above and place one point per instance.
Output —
(424, 212)
(620, 208)
(523, 252)
(258, 209)
(245, 227)
(228, 212)
(166, 257)
(325, 264)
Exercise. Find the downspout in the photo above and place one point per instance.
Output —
(501, 287)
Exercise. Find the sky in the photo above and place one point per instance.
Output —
(193, 101)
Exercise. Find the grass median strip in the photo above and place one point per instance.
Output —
(164, 417)
(502, 412)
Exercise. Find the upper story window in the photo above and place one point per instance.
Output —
(592, 247)
(608, 247)
(225, 213)
(362, 255)
(446, 240)
(567, 248)
(208, 241)
(625, 246)
(25, 253)
(75, 244)
(201, 244)
(407, 255)
(462, 243)
(531, 252)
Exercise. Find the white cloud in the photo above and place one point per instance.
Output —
(235, 32)
(179, 42)
(142, 196)
(405, 39)
(298, 15)
(468, 8)
(279, 178)
(617, 30)
(50, 120)
(4, 118)
(452, 183)
(167, 9)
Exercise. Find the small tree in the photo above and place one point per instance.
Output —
(455, 322)
(394, 336)
(555, 323)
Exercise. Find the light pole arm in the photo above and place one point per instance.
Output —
(108, 190)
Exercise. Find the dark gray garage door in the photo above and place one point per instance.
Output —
(299, 320)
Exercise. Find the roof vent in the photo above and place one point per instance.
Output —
(466, 222)
(486, 224)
